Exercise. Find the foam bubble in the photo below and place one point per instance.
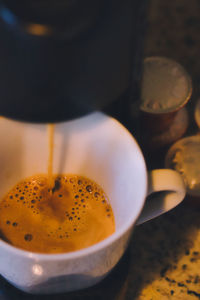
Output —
(28, 237)
(89, 188)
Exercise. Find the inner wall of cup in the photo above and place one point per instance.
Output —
(96, 146)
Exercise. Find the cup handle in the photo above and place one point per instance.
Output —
(172, 191)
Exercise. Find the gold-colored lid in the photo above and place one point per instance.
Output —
(183, 156)
(166, 86)
(197, 113)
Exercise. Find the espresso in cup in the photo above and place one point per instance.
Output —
(55, 213)
(74, 215)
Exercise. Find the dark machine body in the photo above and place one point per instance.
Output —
(63, 59)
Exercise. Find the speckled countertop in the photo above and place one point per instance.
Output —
(166, 260)
(163, 258)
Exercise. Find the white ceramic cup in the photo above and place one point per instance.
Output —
(98, 147)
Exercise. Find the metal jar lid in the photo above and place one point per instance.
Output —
(197, 113)
(183, 156)
(166, 86)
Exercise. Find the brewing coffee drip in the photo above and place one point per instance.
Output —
(64, 59)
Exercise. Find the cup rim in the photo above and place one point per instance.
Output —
(97, 246)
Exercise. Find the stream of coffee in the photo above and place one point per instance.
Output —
(51, 128)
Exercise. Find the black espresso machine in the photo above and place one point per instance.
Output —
(63, 59)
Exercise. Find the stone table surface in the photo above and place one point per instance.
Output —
(163, 258)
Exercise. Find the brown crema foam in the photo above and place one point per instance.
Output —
(74, 215)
